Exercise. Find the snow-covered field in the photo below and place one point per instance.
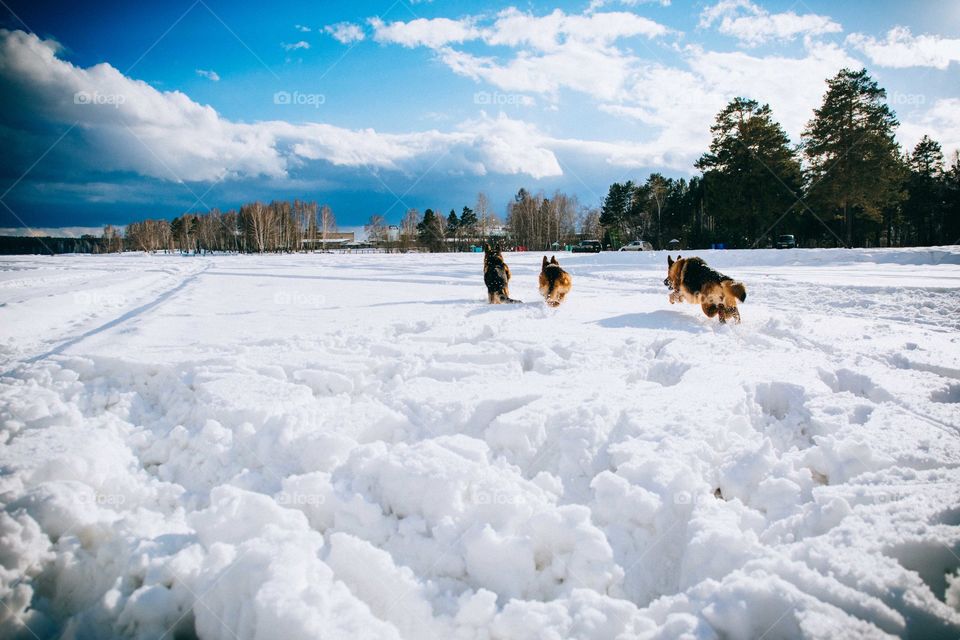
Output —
(328, 446)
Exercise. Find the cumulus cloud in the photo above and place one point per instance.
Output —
(574, 66)
(902, 49)
(209, 74)
(555, 51)
(552, 31)
(127, 125)
(752, 25)
(794, 86)
(423, 32)
(599, 4)
(302, 44)
(583, 53)
(941, 122)
(345, 32)
(301, 28)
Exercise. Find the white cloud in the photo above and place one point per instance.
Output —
(599, 4)
(423, 32)
(552, 31)
(128, 125)
(584, 53)
(556, 51)
(600, 73)
(752, 25)
(793, 86)
(302, 44)
(301, 28)
(345, 32)
(941, 122)
(902, 49)
(679, 105)
(209, 74)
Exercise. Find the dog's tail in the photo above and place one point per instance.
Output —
(737, 289)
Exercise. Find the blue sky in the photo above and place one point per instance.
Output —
(116, 111)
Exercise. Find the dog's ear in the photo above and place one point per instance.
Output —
(545, 263)
(553, 260)
(669, 261)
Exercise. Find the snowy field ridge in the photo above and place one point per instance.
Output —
(357, 446)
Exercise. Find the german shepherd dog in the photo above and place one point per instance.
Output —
(555, 283)
(496, 275)
(691, 280)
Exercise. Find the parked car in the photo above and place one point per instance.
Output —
(637, 245)
(786, 241)
(587, 246)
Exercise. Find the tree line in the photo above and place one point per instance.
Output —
(278, 226)
(534, 221)
(847, 183)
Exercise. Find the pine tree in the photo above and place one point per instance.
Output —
(614, 212)
(453, 229)
(924, 205)
(430, 231)
(751, 173)
(855, 166)
(951, 218)
(468, 224)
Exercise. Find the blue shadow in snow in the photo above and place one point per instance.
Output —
(670, 320)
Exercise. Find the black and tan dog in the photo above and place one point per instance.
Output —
(555, 283)
(691, 280)
(496, 275)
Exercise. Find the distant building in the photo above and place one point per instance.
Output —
(333, 241)
(393, 233)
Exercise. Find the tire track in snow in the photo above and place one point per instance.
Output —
(128, 315)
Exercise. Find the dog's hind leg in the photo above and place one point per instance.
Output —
(722, 314)
(735, 314)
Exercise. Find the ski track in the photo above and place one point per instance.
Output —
(358, 446)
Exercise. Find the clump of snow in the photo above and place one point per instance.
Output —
(359, 446)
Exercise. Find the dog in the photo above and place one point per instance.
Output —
(555, 283)
(496, 275)
(691, 280)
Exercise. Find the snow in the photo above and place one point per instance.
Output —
(357, 446)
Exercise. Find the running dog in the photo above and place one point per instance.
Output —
(691, 280)
(496, 275)
(555, 283)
